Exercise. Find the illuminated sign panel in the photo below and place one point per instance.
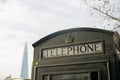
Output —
(90, 48)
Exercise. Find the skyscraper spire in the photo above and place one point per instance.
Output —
(24, 69)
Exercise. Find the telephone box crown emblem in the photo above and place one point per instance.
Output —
(69, 38)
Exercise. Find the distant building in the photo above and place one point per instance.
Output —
(24, 69)
(18, 79)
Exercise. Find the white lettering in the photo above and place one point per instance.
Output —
(73, 50)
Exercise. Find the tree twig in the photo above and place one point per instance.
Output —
(106, 14)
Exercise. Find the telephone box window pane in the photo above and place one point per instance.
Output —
(94, 75)
(45, 77)
(82, 76)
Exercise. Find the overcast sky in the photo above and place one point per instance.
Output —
(24, 21)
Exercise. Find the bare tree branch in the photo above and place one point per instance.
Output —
(106, 14)
(103, 12)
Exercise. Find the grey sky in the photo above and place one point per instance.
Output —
(29, 20)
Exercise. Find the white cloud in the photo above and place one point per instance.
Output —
(15, 12)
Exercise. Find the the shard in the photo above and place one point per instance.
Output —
(24, 68)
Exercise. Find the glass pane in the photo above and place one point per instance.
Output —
(82, 76)
(94, 75)
(45, 77)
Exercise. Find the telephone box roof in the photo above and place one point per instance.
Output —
(71, 30)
